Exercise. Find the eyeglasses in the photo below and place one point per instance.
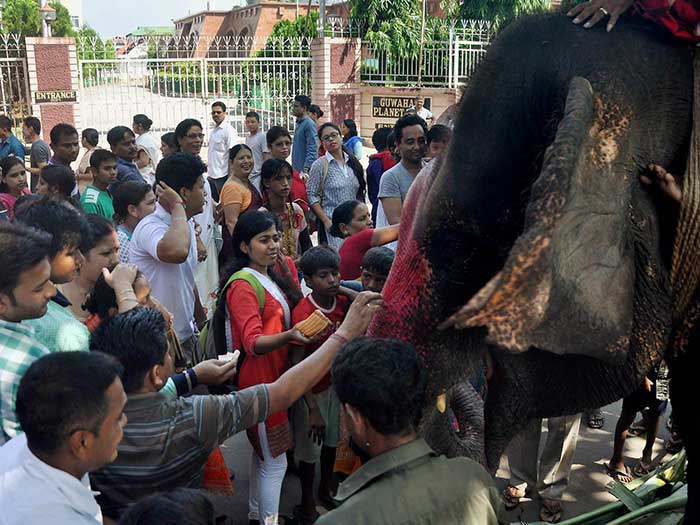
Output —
(195, 136)
(330, 137)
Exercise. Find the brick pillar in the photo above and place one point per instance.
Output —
(335, 78)
(52, 65)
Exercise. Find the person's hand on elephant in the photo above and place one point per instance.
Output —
(594, 11)
(648, 384)
(656, 175)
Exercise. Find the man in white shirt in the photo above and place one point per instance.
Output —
(222, 138)
(420, 110)
(71, 408)
(164, 245)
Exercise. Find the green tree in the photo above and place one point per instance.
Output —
(62, 26)
(302, 26)
(500, 12)
(393, 26)
(22, 17)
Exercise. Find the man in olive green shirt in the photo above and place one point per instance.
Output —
(402, 480)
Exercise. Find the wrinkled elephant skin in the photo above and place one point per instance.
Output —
(536, 234)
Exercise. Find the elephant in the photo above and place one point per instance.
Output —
(536, 234)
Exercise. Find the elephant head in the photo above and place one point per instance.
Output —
(534, 236)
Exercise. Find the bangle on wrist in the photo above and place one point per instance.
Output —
(343, 340)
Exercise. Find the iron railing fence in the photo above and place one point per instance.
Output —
(172, 79)
(15, 101)
(446, 59)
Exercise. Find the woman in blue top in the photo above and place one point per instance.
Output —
(350, 139)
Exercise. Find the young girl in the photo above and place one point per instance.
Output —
(352, 222)
(57, 182)
(262, 333)
(237, 195)
(100, 250)
(13, 183)
(276, 183)
(132, 202)
(168, 146)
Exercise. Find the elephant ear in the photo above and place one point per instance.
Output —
(567, 285)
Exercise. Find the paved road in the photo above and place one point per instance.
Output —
(586, 491)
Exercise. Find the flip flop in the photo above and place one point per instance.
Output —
(640, 469)
(550, 511)
(617, 475)
(512, 496)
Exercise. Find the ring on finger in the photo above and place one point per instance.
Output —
(604, 11)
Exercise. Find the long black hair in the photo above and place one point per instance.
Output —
(250, 224)
(354, 164)
(352, 127)
(343, 214)
(6, 165)
(270, 169)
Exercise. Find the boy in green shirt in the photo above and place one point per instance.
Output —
(96, 198)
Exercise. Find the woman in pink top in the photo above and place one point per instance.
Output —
(13, 183)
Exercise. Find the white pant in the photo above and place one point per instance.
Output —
(266, 479)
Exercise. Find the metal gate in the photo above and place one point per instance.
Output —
(14, 83)
(173, 79)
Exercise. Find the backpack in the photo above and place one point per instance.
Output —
(216, 337)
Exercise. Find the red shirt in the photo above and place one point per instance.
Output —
(352, 252)
(303, 310)
(298, 191)
(680, 19)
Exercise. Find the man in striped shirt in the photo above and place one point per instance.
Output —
(25, 291)
(167, 441)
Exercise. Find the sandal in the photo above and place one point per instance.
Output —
(642, 469)
(512, 496)
(619, 475)
(550, 511)
(596, 421)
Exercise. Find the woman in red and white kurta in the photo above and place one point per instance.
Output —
(263, 336)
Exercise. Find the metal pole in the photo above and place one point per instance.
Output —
(322, 16)
(420, 49)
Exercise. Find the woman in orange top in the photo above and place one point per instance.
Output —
(237, 196)
(262, 333)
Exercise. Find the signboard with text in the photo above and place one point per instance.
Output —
(68, 95)
(392, 107)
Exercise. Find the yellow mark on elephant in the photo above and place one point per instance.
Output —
(441, 403)
(610, 126)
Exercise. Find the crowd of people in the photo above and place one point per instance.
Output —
(154, 303)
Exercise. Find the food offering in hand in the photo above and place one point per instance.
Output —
(230, 356)
(313, 325)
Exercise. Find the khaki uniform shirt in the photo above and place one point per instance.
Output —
(412, 484)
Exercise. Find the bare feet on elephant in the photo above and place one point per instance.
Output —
(512, 496)
(666, 182)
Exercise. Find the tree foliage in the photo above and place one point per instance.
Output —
(302, 26)
(500, 12)
(394, 26)
(62, 26)
(22, 17)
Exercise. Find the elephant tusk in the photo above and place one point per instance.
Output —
(441, 403)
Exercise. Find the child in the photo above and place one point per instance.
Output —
(376, 266)
(316, 416)
(56, 181)
(257, 142)
(132, 202)
(439, 138)
(378, 164)
(96, 198)
(279, 142)
(644, 397)
(351, 221)
(276, 184)
(13, 183)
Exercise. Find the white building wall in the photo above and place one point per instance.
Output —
(75, 7)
